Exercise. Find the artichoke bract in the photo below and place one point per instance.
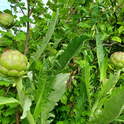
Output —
(13, 64)
(6, 20)
(117, 60)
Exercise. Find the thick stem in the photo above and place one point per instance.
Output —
(30, 118)
(22, 96)
(19, 87)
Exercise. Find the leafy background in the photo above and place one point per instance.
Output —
(86, 34)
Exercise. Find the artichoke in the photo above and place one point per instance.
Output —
(6, 20)
(117, 60)
(13, 64)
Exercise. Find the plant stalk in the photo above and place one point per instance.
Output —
(22, 96)
(28, 26)
(30, 118)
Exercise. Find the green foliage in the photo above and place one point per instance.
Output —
(5, 100)
(111, 109)
(21, 36)
(72, 49)
(46, 39)
(69, 80)
(43, 87)
(58, 86)
(8, 107)
(100, 52)
(104, 69)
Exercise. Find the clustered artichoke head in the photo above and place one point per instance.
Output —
(6, 20)
(117, 60)
(13, 64)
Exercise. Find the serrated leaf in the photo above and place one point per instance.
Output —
(59, 89)
(104, 69)
(110, 83)
(46, 38)
(72, 49)
(112, 109)
(100, 52)
(43, 87)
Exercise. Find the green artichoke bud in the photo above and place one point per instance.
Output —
(13, 64)
(6, 20)
(117, 60)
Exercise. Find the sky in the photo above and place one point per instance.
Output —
(4, 5)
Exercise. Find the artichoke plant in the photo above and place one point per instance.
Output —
(117, 60)
(6, 20)
(13, 64)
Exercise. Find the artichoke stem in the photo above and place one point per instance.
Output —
(19, 87)
(22, 96)
(117, 73)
